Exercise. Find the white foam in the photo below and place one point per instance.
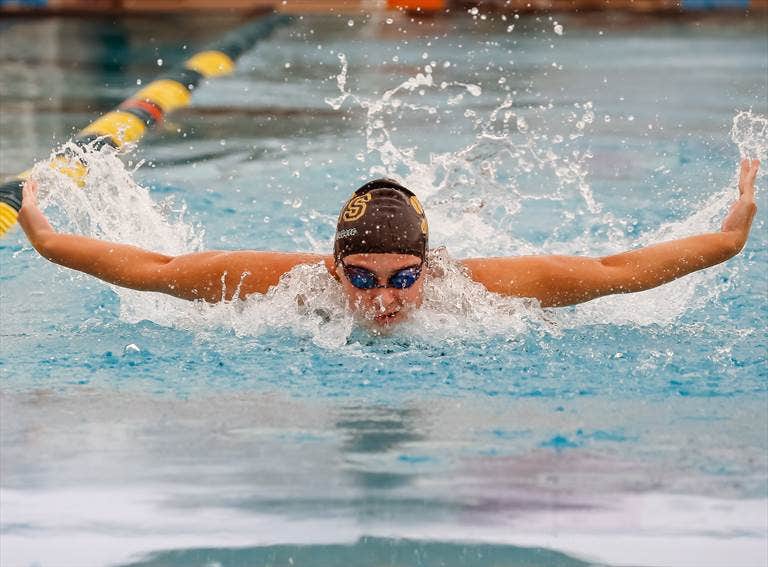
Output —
(472, 193)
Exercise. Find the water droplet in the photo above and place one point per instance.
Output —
(287, 65)
(558, 29)
(159, 62)
(351, 23)
(138, 81)
(389, 20)
(131, 349)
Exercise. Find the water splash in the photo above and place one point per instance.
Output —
(479, 187)
(112, 206)
(750, 134)
(472, 193)
(456, 307)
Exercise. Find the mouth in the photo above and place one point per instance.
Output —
(387, 318)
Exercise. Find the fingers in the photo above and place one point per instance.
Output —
(29, 192)
(747, 177)
(750, 167)
(30, 186)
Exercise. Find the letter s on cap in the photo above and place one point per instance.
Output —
(355, 208)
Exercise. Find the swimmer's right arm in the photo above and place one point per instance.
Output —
(210, 276)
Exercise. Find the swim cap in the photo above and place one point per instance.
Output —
(382, 217)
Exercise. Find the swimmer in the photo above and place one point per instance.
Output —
(380, 258)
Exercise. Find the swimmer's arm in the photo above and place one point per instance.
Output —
(565, 280)
(211, 276)
(216, 276)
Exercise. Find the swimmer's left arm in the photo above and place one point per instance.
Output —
(566, 280)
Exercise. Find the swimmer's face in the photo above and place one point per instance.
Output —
(383, 306)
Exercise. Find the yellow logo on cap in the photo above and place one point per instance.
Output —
(416, 205)
(355, 208)
(420, 210)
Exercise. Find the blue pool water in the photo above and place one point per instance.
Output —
(139, 430)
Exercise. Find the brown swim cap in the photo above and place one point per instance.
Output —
(384, 217)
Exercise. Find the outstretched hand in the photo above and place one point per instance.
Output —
(739, 219)
(31, 218)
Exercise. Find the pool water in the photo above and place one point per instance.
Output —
(140, 430)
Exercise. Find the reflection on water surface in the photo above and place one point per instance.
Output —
(629, 432)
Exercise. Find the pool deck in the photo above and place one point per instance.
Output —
(84, 7)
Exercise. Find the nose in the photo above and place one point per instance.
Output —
(385, 296)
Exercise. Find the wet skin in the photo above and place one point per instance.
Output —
(553, 280)
(382, 306)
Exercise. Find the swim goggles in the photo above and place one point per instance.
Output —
(366, 279)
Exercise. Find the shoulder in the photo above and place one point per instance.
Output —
(264, 269)
(283, 262)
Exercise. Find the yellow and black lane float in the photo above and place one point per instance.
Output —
(147, 108)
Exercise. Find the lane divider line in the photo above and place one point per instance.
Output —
(146, 109)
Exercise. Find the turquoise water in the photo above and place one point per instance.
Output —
(628, 431)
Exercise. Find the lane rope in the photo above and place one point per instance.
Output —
(146, 109)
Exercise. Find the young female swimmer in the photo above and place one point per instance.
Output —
(379, 258)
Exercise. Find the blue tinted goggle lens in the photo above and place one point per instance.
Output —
(365, 279)
(404, 278)
(361, 279)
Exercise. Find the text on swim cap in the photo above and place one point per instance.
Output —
(346, 233)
